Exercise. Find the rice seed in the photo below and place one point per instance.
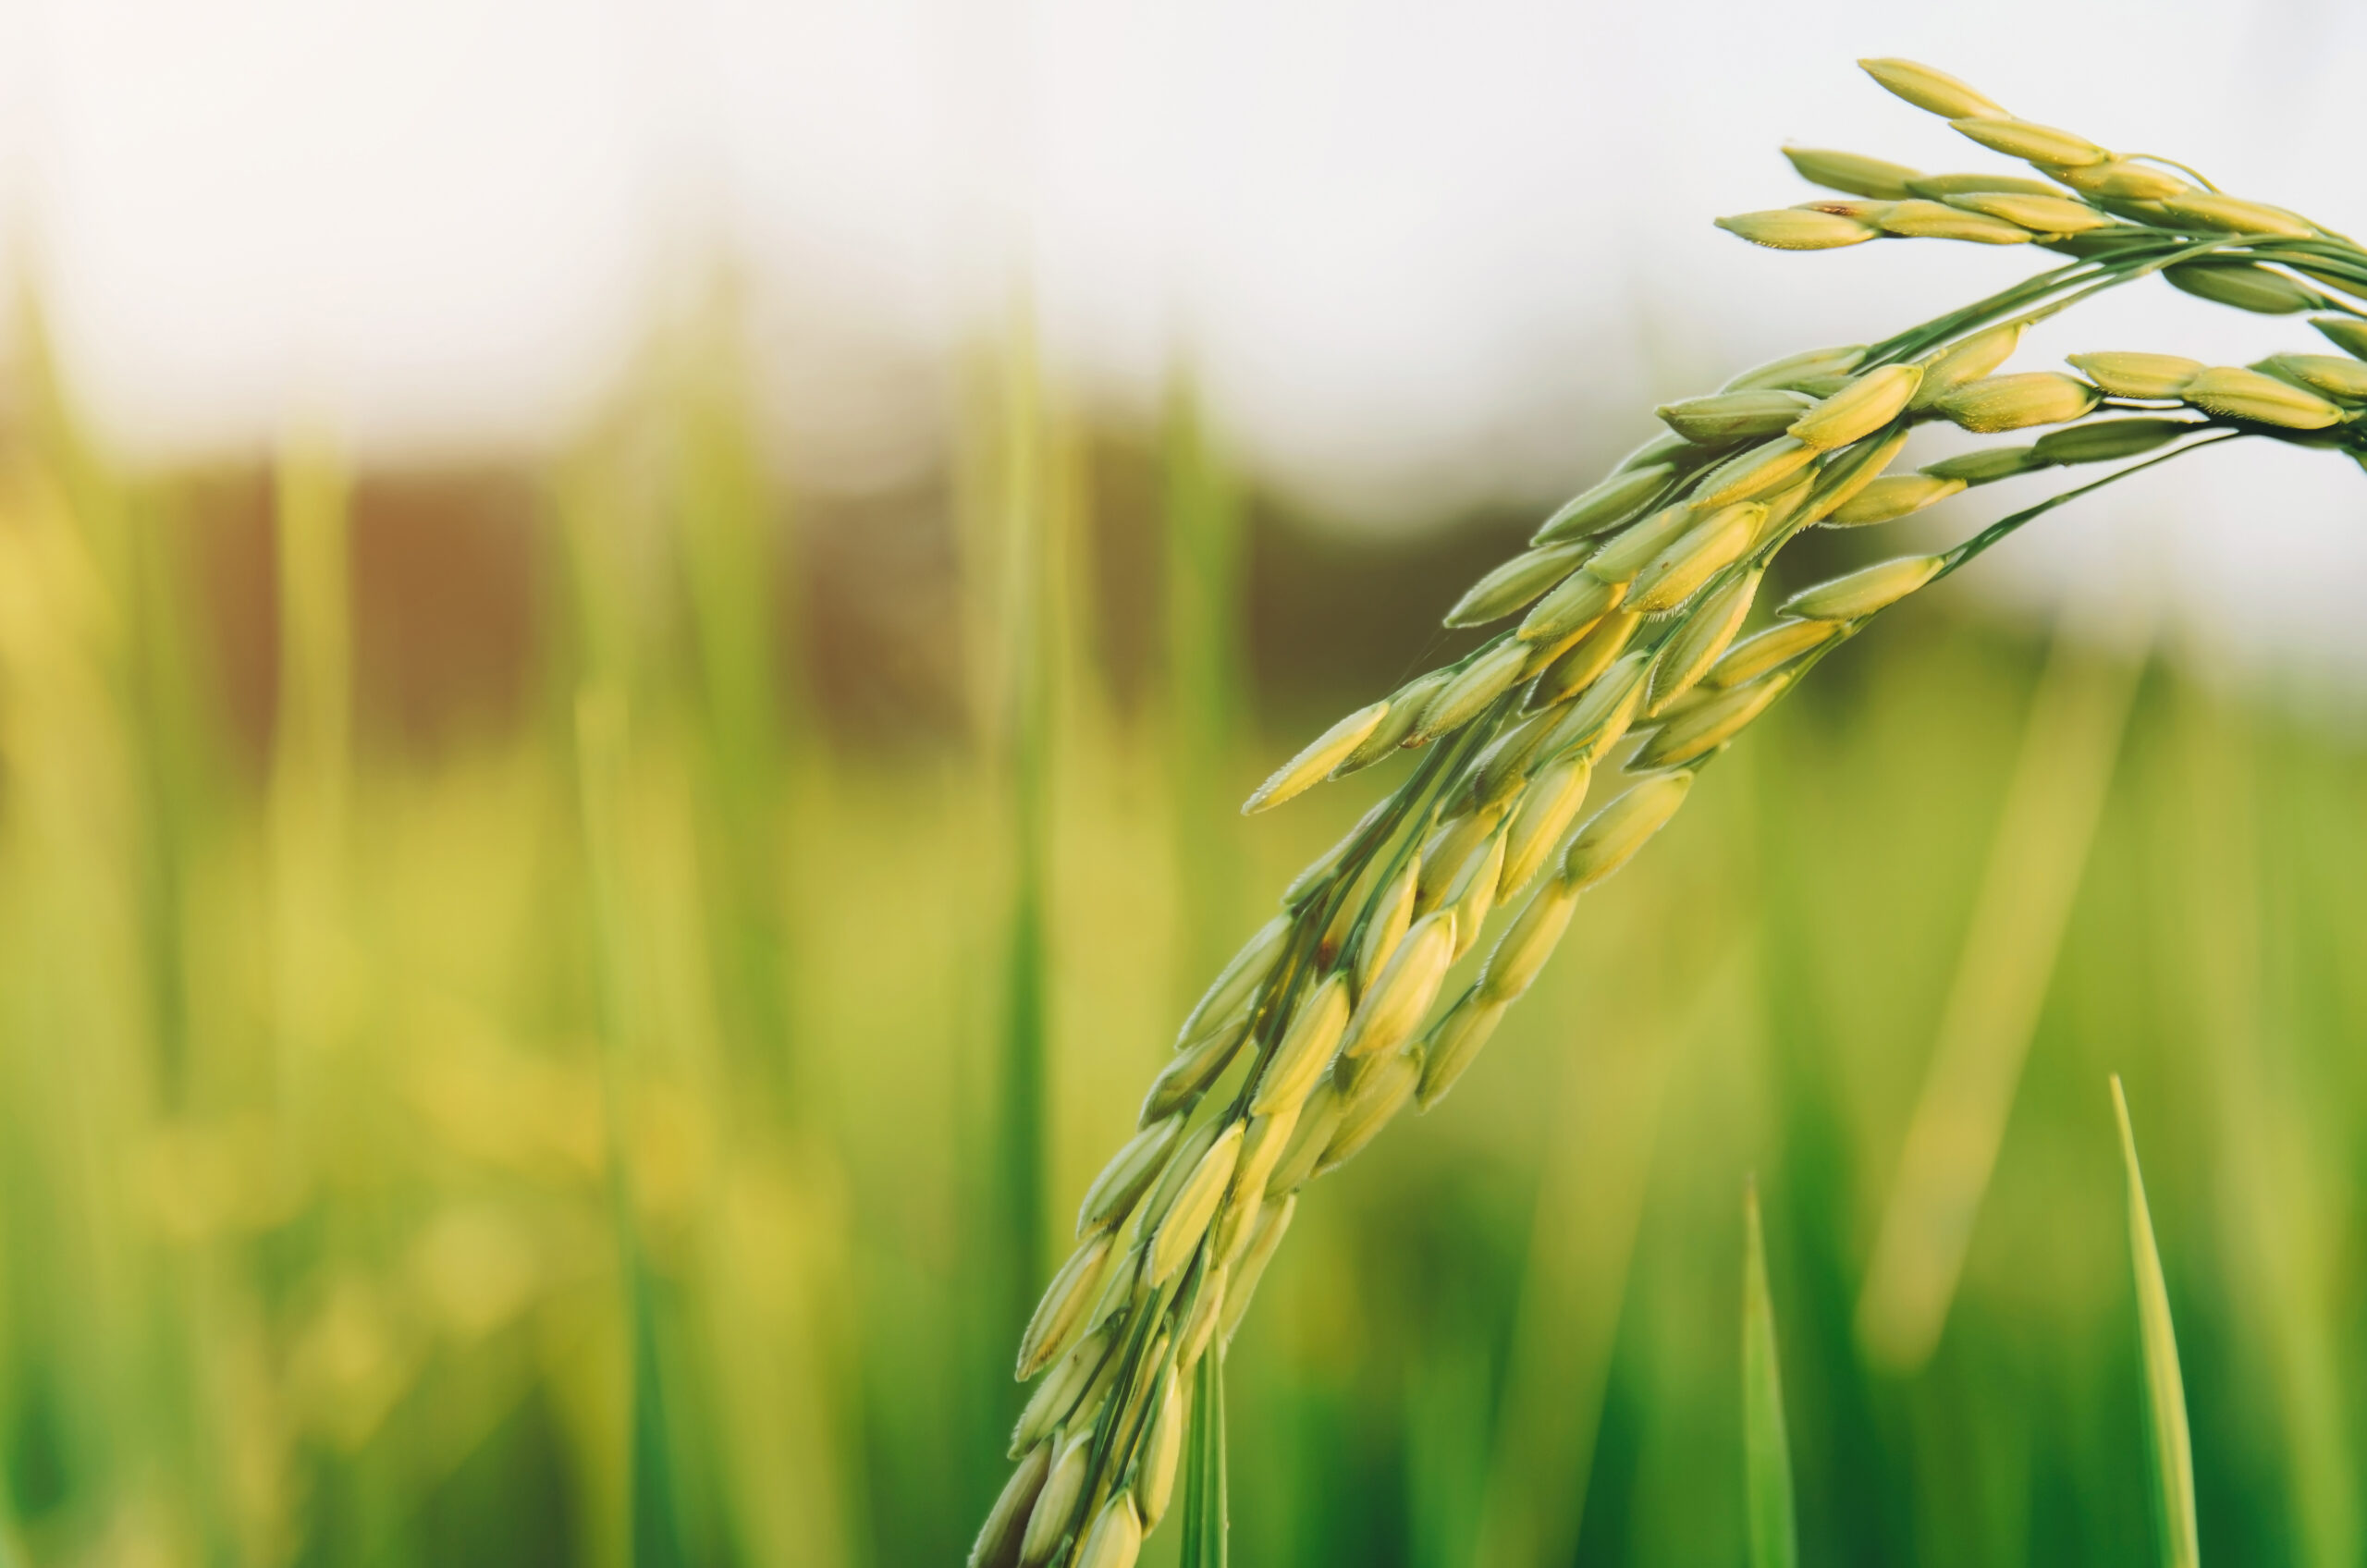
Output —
(1664, 450)
(1060, 1392)
(1919, 219)
(1404, 711)
(2017, 402)
(1960, 364)
(1318, 1119)
(1229, 1230)
(1394, 1006)
(1187, 1219)
(1544, 815)
(1131, 1169)
(1935, 92)
(1346, 906)
(1779, 644)
(2039, 214)
(1153, 1210)
(1047, 1522)
(2330, 373)
(1191, 1073)
(1782, 505)
(1623, 557)
(1261, 1152)
(1863, 591)
(1305, 1050)
(1847, 471)
(1786, 373)
(1324, 754)
(1230, 992)
(1941, 187)
(2345, 333)
(2234, 393)
(2121, 179)
(1753, 472)
(1576, 604)
(1989, 464)
(1317, 873)
(2138, 375)
(1388, 926)
(1097, 1393)
(1864, 405)
(1141, 1404)
(1521, 953)
(1613, 834)
(1155, 1489)
(2109, 440)
(1514, 583)
(1679, 570)
(2170, 1449)
(1896, 496)
(2246, 286)
(1699, 643)
(1061, 1310)
(1347, 897)
(1193, 1338)
(1597, 719)
(1585, 660)
(1852, 207)
(1484, 680)
(1474, 895)
(1705, 729)
(2031, 144)
(2226, 214)
(1542, 655)
(1272, 1226)
(1116, 1538)
(1851, 173)
(999, 1539)
(1499, 772)
(1725, 418)
(1446, 850)
(1621, 498)
(1452, 1044)
(1789, 228)
(1382, 1090)
(1124, 1282)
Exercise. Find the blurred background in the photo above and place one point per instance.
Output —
(629, 636)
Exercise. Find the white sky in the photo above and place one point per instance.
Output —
(1426, 255)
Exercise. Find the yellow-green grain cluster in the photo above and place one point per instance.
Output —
(1630, 666)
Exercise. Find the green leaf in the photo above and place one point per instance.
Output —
(2169, 1453)
(1205, 1518)
(1766, 1451)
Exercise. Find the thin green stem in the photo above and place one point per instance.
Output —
(2004, 527)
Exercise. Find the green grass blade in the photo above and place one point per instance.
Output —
(1206, 1520)
(2169, 1453)
(1766, 1451)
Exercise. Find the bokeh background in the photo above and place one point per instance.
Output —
(628, 638)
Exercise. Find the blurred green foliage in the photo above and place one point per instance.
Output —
(594, 1138)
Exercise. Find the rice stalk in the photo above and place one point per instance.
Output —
(1666, 538)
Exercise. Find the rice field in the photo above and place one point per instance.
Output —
(603, 1078)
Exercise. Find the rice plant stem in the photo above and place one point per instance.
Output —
(1974, 547)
